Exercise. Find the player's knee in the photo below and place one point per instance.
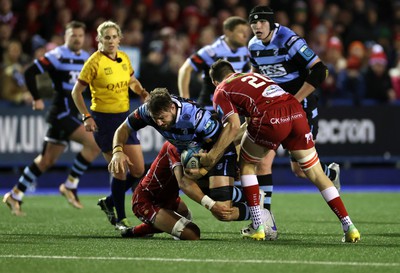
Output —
(46, 162)
(90, 153)
(191, 232)
(298, 173)
(186, 230)
(137, 171)
(119, 176)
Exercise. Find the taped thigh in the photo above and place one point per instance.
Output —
(309, 161)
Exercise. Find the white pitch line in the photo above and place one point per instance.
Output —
(202, 260)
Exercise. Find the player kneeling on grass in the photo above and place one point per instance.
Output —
(156, 200)
(274, 117)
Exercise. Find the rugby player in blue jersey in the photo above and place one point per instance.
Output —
(183, 123)
(63, 64)
(231, 47)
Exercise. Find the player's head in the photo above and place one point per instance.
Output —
(265, 13)
(236, 30)
(75, 35)
(103, 33)
(220, 70)
(161, 108)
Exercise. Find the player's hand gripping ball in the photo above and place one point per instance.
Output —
(188, 160)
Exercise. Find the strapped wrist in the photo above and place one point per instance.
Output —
(86, 116)
(117, 149)
(207, 202)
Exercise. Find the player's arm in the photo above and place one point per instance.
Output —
(120, 161)
(77, 96)
(184, 76)
(88, 121)
(317, 74)
(30, 80)
(193, 191)
(137, 87)
(229, 132)
(238, 137)
(178, 172)
(255, 69)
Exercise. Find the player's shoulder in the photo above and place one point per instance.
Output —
(57, 52)
(170, 148)
(285, 36)
(284, 31)
(255, 43)
(211, 49)
(84, 54)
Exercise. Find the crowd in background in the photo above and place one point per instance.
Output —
(358, 40)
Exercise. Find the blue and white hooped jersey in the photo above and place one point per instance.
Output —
(202, 60)
(63, 66)
(286, 59)
(193, 125)
(207, 55)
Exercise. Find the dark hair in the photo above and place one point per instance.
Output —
(264, 13)
(220, 69)
(159, 101)
(231, 22)
(75, 24)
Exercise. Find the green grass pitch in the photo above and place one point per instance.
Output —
(55, 237)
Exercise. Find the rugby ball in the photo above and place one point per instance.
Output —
(188, 160)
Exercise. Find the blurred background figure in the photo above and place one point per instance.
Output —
(351, 84)
(13, 87)
(336, 63)
(377, 79)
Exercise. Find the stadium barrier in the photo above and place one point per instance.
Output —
(347, 134)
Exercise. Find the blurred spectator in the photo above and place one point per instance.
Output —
(120, 14)
(159, 69)
(191, 24)
(378, 83)
(28, 26)
(35, 22)
(221, 16)
(87, 13)
(300, 13)
(395, 78)
(5, 35)
(318, 40)
(7, 16)
(133, 33)
(63, 17)
(298, 29)
(358, 50)
(364, 25)
(207, 36)
(13, 82)
(205, 9)
(282, 18)
(171, 15)
(154, 68)
(316, 14)
(336, 63)
(240, 11)
(351, 83)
